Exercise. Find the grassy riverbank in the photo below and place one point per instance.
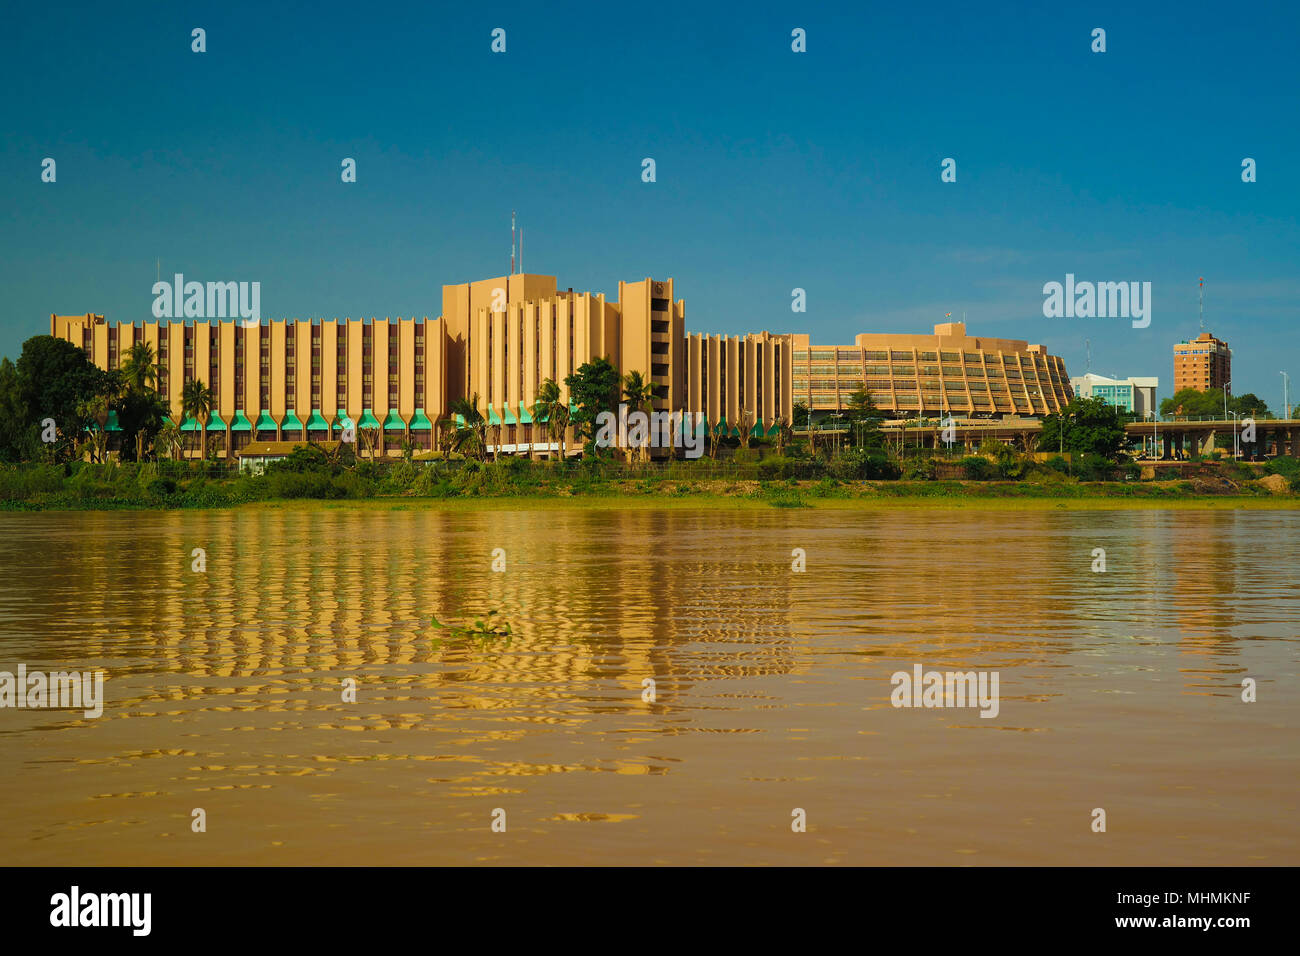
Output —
(519, 483)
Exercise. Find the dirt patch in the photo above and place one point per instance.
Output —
(1214, 486)
(1274, 484)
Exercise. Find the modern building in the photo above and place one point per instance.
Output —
(395, 379)
(1137, 396)
(931, 376)
(1202, 363)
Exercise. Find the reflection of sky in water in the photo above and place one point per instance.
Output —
(772, 686)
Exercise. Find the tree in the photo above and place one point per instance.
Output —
(17, 440)
(593, 388)
(96, 408)
(1249, 404)
(139, 368)
(640, 394)
(56, 380)
(169, 439)
(783, 435)
(1194, 403)
(1085, 426)
(196, 400)
(470, 438)
(554, 410)
(863, 419)
(140, 415)
(801, 417)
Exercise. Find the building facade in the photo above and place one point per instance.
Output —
(931, 376)
(394, 380)
(1202, 363)
(1136, 396)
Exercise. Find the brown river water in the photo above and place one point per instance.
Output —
(224, 688)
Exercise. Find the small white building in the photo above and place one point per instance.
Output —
(1134, 395)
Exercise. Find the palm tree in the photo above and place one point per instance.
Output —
(640, 394)
(555, 410)
(472, 436)
(139, 368)
(96, 408)
(140, 375)
(783, 434)
(196, 400)
(171, 439)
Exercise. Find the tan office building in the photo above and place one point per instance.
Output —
(931, 376)
(1202, 363)
(499, 339)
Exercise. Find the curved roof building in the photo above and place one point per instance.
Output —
(930, 376)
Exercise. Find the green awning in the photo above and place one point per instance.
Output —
(316, 421)
(216, 423)
(493, 417)
(721, 427)
(189, 425)
(368, 420)
(509, 418)
(774, 430)
(524, 417)
(342, 420)
(757, 430)
(291, 421)
(265, 423)
(420, 422)
(460, 420)
(112, 425)
(573, 409)
(167, 420)
(393, 421)
(239, 423)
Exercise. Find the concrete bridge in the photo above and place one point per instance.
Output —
(1171, 439)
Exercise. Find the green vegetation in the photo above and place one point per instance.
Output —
(481, 630)
(1194, 403)
(1087, 426)
(780, 481)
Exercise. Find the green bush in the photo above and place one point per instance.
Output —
(1287, 467)
(977, 468)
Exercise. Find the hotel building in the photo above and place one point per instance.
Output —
(1202, 363)
(497, 339)
(931, 376)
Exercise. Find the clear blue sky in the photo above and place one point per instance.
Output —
(775, 170)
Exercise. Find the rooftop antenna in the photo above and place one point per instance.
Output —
(521, 251)
(1201, 307)
(158, 270)
(1087, 344)
(512, 242)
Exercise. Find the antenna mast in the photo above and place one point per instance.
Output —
(512, 242)
(1087, 344)
(1201, 306)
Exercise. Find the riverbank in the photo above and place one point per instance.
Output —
(654, 492)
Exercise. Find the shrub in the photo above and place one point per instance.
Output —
(1287, 467)
(977, 468)
(920, 469)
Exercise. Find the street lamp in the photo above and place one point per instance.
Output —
(1234, 436)
(1286, 404)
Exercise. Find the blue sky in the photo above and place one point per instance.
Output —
(775, 170)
